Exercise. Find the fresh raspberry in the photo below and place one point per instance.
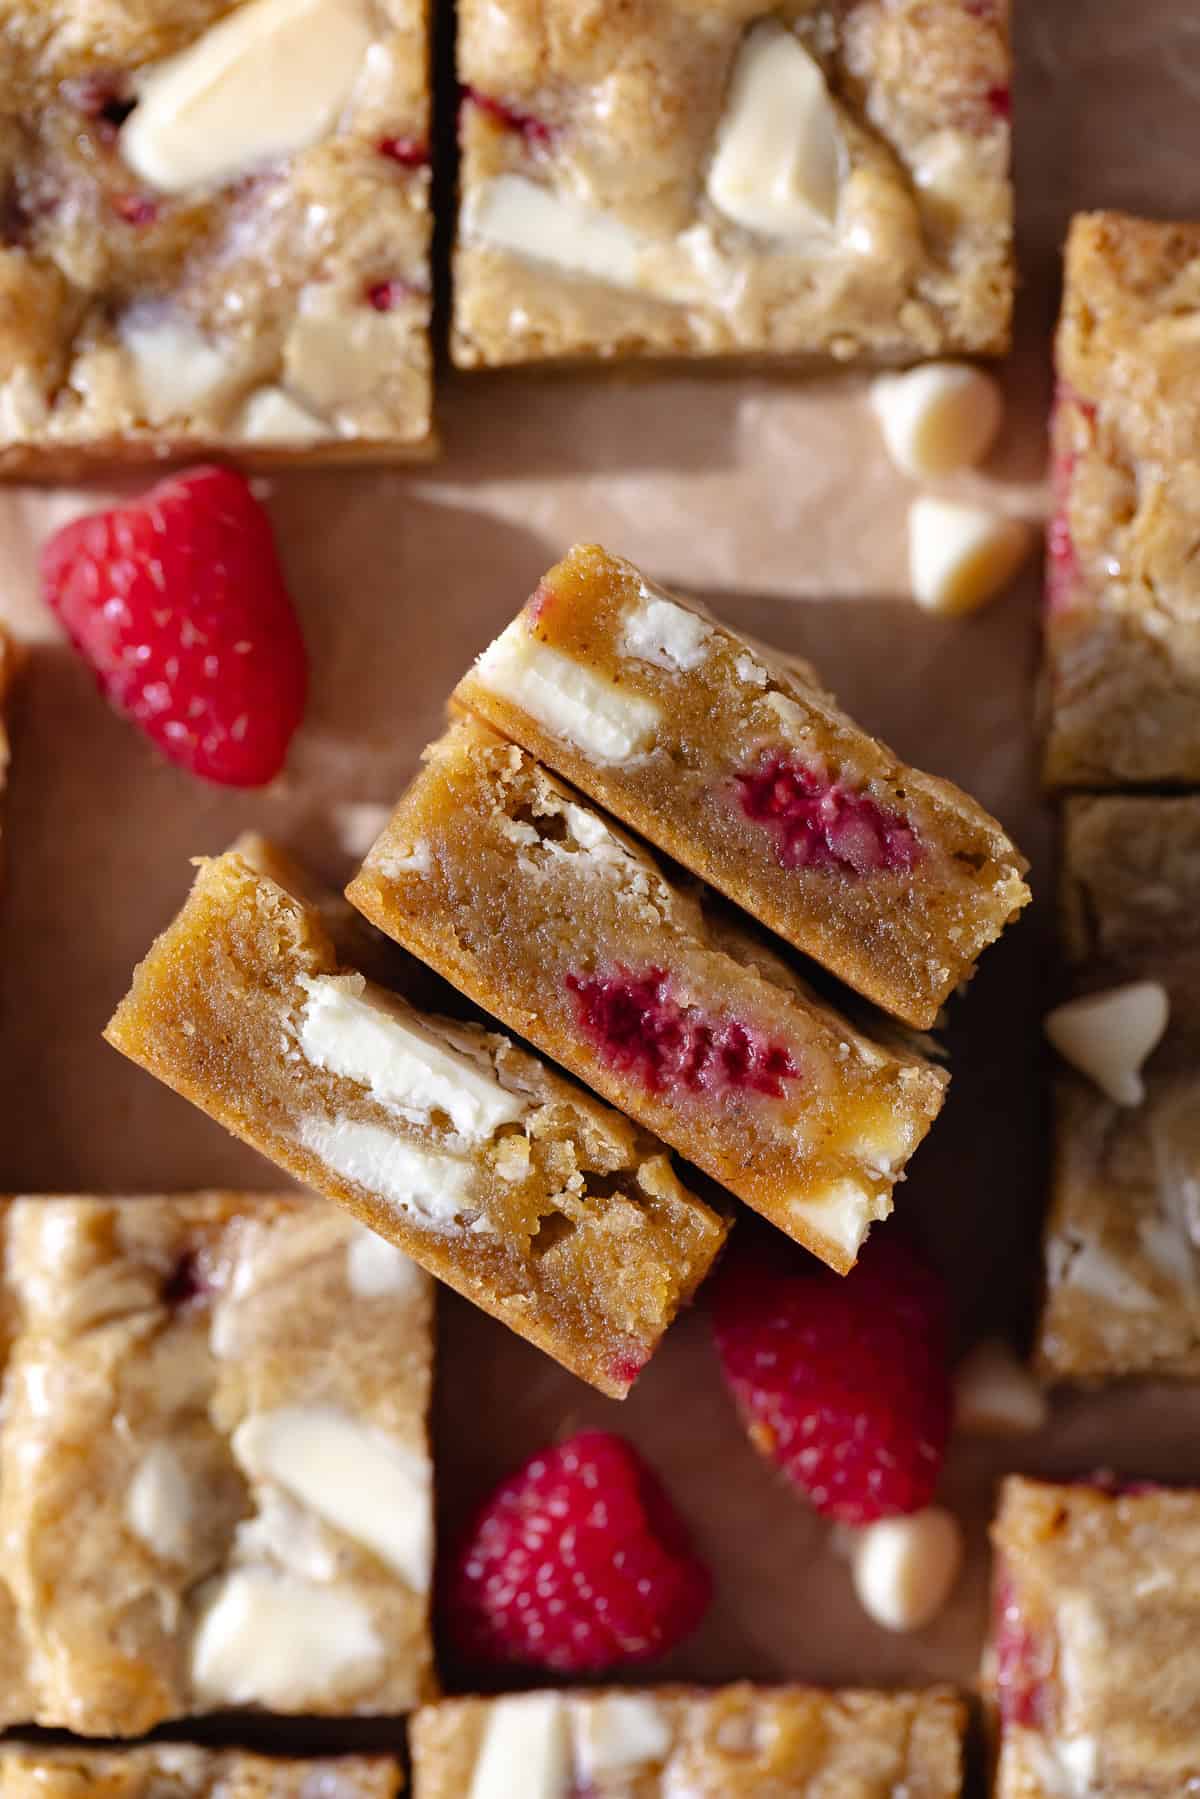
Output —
(177, 601)
(842, 1380)
(578, 1562)
(643, 1030)
(819, 823)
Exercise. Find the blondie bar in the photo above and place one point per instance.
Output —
(1092, 1669)
(214, 229)
(1122, 683)
(181, 1771)
(825, 180)
(667, 1741)
(1123, 1236)
(518, 891)
(740, 767)
(508, 1182)
(215, 1485)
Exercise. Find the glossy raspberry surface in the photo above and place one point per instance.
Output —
(578, 1562)
(178, 603)
(843, 1381)
(642, 1029)
(820, 823)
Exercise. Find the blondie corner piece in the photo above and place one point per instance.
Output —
(504, 1179)
(198, 258)
(1121, 1242)
(183, 1771)
(780, 182)
(659, 1741)
(744, 770)
(1122, 675)
(522, 895)
(1092, 1671)
(228, 1503)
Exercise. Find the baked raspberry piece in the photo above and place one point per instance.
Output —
(821, 823)
(577, 1562)
(177, 602)
(843, 1383)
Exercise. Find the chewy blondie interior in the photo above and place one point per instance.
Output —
(182, 1771)
(519, 892)
(745, 770)
(214, 229)
(215, 1483)
(781, 181)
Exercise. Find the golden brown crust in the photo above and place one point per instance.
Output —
(1122, 687)
(179, 1771)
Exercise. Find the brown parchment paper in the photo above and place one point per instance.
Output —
(773, 500)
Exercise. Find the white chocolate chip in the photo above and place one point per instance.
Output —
(938, 419)
(961, 556)
(526, 1749)
(271, 416)
(1088, 1268)
(841, 1212)
(160, 1505)
(530, 220)
(571, 701)
(339, 351)
(423, 1184)
(659, 631)
(376, 1269)
(177, 370)
(995, 1395)
(905, 1568)
(276, 1640)
(779, 156)
(1108, 1036)
(363, 1033)
(266, 80)
(374, 1489)
(619, 1733)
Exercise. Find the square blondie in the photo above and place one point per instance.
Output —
(216, 1490)
(1122, 629)
(1123, 1233)
(184, 1771)
(1092, 1671)
(661, 1741)
(821, 181)
(214, 230)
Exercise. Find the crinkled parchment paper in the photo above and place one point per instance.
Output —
(773, 500)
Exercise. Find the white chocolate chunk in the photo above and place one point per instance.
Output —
(526, 1749)
(176, 369)
(620, 1733)
(659, 631)
(423, 1184)
(527, 219)
(961, 556)
(841, 1212)
(995, 1395)
(357, 1030)
(271, 416)
(572, 702)
(266, 80)
(280, 1641)
(1088, 1268)
(779, 156)
(939, 418)
(376, 1269)
(374, 1489)
(905, 1568)
(1108, 1036)
(161, 1503)
(339, 352)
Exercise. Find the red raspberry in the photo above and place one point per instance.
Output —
(177, 601)
(819, 823)
(578, 1562)
(842, 1380)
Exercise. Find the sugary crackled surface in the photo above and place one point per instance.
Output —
(518, 891)
(672, 1741)
(1124, 1228)
(256, 275)
(596, 220)
(741, 767)
(180, 1771)
(1092, 1661)
(215, 1485)
(523, 1192)
(1123, 590)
